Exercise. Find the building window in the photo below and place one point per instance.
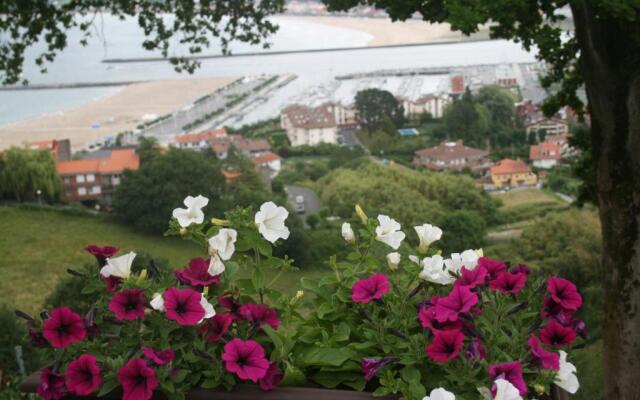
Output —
(80, 178)
(82, 191)
(91, 178)
(115, 180)
(95, 190)
(67, 180)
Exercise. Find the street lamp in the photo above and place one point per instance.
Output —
(39, 193)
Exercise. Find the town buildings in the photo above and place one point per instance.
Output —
(452, 156)
(545, 155)
(510, 174)
(432, 104)
(60, 149)
(314, 125)
(94, 180)
(201, 140)
(553, 126)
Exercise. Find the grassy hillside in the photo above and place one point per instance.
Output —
(38, 245)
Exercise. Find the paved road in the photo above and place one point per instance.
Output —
(311, 201)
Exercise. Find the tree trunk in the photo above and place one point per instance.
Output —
(610, 62)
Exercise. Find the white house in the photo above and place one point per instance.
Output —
(315, 125)
(432, 104)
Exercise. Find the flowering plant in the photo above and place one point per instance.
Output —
(211, 324)
(426, 327)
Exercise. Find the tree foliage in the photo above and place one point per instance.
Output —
(24, 171)
(24, 23)
(463, 229)
(145, 197)
(376, 108)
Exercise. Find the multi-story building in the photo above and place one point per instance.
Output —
(545, 155)
(315, 125)
(60, 149)
(452, 156)
(270, 161)
(509, 173)
(200, 140)
(431, 104)
(93, 180)
(553, 126)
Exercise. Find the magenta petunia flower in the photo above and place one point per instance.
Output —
(217, 326)
(63, 328)
(371, 365)
(183, 306)
(428, 320)
(229, 302)
(509, 371)
(369, 289)
(544, 359)
(493, 267)
(246, 359)
(259, 314)
(476, 350)
(196, 274)
(555, 310)
(51, 386)
(507, 282)
(460, 300)
(565, 293)
(101, 253)
(138, 380)
(520, 268)
(445, 346)
(272, 377)
(556, 335)
(83, 375)
(163, 357)
(128, 304)
(472, 278)
(112, 283)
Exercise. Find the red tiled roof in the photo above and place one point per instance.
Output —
(451, 151)
(457, 84)
(544, 151)
(265, 158)
(509, 166)
(250, 145)
(118, 161)
(200, 136)
(219, 146)
(309, 117)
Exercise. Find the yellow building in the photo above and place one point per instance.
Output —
(512, 173)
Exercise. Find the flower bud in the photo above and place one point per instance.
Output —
(347, 233)
(360, 212)
(183, 231)
(219, 222)
(393, 260)
(538, 388)
(142, 276)
(297, 297)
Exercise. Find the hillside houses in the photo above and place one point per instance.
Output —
(314, 125)
(510, 173)
(432, 104)
(452, 156)
(545, 155)
(95, 178)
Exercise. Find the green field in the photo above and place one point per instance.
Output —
(38, 245)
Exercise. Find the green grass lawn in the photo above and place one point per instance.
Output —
(38, 245)
(528, 197)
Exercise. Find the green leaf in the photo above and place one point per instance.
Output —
(328, 357)
(324, 309)
(264, 248)
(108, 386)
(293, 376)
(275, 338)
(257, 279)
(341, 332)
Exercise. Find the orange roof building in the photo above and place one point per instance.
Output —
(60, 149)
(93, 180)
(452, 156)
(545, 155)
(510, 173)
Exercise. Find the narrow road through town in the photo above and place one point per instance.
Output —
(311, 201)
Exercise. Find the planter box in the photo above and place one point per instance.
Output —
(243, 392)
(253, 392)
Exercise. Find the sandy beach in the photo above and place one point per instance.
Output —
(110, 115)
(387, 32)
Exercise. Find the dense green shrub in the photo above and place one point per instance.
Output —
(463, 229)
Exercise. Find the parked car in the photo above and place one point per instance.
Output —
(299, 206)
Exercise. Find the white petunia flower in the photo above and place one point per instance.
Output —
(427, 234)
(467, 259)
(216, 267)
(567, 378)
(440, 394)
(433, 270)
(347, 232)
(193, 213)
(208, 308)
(223, 243)
(270, 221)
(506, 391)
(119, 267)
(393, 260)
(157, 303)
(388, 232)
(415, 259)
